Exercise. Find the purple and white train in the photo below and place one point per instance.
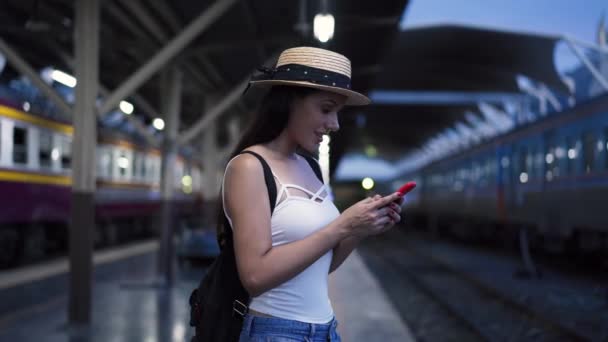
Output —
(35, 187)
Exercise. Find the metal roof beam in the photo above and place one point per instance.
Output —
(146, 19)
(124, 19)
(261, 51)
(495, 117)
(237, 45)
(138, 99)
(20, 64)
(163, 9)
(217, 110)
(211, 70)
(139, 126)
(596, 73)
(233, 96)
(177, 44)
(169, 16)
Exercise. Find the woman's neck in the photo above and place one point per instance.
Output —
(283, 147)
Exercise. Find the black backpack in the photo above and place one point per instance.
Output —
(219, 304)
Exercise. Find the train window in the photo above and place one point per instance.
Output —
(588, 152)
(123, 164)
(105, 163)
(523, 165)
(606, 148)
(553, 155)
(136, 157)
(489, 173)
(19, 145)
(157, 170)
(529, 161)
(150, 169)
(570, 156)
(45, 140)
(475, 173)
(66, 153)
(538, 164)
(144, 162)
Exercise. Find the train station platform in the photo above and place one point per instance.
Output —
(130, 305)
(363, 311)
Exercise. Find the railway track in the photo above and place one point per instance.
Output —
(477, 310)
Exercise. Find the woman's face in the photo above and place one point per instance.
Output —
(313, 116)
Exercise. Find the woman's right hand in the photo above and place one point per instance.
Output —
(370, 216)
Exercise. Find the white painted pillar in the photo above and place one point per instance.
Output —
(171, 108)
(82, 225)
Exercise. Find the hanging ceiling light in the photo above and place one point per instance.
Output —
(159, 124)
(324, 23)
(324, 27)
(63, 78)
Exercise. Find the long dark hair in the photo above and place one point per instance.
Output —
(269, 121)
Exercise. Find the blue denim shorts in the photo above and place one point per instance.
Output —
(271, 329)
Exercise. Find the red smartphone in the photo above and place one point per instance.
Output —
(407, 187)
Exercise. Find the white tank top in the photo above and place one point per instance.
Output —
(304, 297)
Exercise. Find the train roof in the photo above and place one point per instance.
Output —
(582, 110)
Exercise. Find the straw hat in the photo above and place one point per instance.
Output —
(314, 68)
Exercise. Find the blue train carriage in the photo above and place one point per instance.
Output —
(550, 176)
(576, 176)
(557, 177)
(35, 179)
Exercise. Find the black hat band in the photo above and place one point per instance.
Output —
(298, 72)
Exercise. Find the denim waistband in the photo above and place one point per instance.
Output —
(255, 325)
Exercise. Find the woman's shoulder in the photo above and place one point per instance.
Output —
(258, 149)
(243, 162)
(243, 172)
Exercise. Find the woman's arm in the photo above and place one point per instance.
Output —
(343, 250)
(261, 266)
(346, 246)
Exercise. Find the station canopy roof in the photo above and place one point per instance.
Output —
(224, 55)
(450, 57)
(427, 66)
(438, 58)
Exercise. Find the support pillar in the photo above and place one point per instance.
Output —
(234, 134)
(171, 108)
(82, 224)
(530, 269)
(211, 153)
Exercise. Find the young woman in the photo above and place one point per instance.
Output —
(284, 259)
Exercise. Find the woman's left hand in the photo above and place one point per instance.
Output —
(393, 213)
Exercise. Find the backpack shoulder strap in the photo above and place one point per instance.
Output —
(315, 166)
(268, 178)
